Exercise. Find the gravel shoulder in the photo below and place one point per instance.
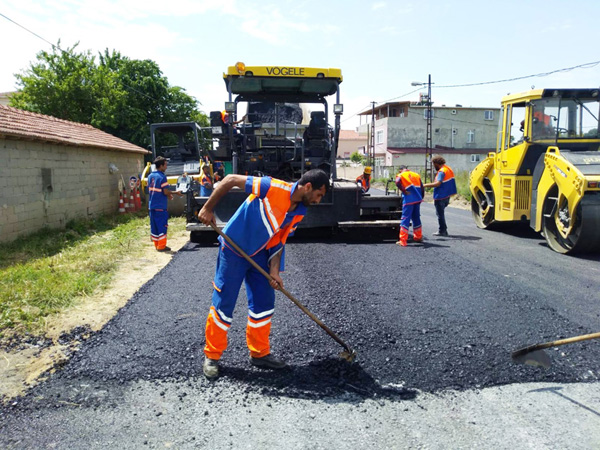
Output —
(23, 366)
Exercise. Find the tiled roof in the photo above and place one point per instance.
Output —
(348, 135)
(21, 124)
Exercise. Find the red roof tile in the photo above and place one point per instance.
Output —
(348, 135)
(38, 127)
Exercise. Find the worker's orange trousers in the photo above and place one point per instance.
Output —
(231, 271)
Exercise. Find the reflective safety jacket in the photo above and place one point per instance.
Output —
(448, 186)
(157, 181)
(206, 186)
(410, 184)
(263, 220)
(365, 183)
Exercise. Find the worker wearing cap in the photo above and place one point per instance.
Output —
(158, 194)
(444, 187)
(365, 180)
(206, 183)
(410, 184)
(260, 227)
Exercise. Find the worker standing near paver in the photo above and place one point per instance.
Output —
(444, 187)
(158, 194)
(410, 184)
(260, 227)
(365, 180)
(206, 182)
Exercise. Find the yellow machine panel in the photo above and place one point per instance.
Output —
(546, 169)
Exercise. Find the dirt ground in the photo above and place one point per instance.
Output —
(22, 367)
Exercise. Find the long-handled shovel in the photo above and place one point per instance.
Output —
(348, 354)
(534, 355)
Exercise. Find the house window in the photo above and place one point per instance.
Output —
(470, 137)
(379, 137)
(379, 161)
(393, 112)
(425, 114)
(475, 158)
(488, 115)
(401, 112)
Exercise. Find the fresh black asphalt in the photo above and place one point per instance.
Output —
(430, 317)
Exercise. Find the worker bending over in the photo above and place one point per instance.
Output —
(365, 180)
(410, 184)
(260, 227)
(444, 187)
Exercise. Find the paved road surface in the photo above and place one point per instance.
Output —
(433, 325)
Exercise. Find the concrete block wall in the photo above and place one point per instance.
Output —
(81, 184)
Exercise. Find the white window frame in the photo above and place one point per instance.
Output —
(488, 114)
(471, 137)
(475, 158)
(379, 161)
(379, 136)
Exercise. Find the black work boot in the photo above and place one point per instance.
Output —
(268, 362)
(210, 368)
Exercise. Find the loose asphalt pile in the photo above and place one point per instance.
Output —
(421, 318)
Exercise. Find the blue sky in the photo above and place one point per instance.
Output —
(381, 46)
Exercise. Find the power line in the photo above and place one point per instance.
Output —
(363, 109)
(543, 74)
(54, 46)
(29, 31)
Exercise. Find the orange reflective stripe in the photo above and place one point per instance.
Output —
(216, 336)
(257, 339)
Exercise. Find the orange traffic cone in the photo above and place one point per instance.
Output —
(131, 202)
(121, 204)
(138, 200)
(126, 200)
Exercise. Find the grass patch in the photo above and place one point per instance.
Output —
(44, 273)
(462, 185)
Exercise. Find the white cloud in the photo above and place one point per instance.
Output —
(378, 5)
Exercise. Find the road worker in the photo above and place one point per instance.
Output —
(444, 187)
(260, 227)
(365, 180)
(206, 182)
(158, 194)
(410, 184)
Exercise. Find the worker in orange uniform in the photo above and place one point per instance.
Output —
(260, 227)
(158, 194)
(206, 182)
(410, 184)
(444, 187)
(365, 180)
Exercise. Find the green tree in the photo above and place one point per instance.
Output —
(356, 157)
(119, 95)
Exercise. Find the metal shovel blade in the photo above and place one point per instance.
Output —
(534, 358)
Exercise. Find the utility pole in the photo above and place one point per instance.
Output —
(428, 164)
(371, 157)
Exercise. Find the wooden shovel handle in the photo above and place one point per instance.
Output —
(531, 348)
